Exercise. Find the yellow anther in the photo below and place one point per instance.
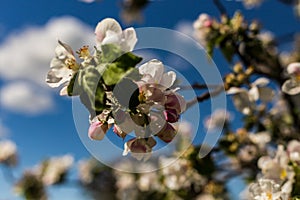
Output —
(283, 174)
(84, 52)
(269, 196)
(71, 63)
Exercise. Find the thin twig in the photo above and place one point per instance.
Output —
(220, 7)
(206, 96)
(198, 86)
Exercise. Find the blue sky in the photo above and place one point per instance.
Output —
(34, 115)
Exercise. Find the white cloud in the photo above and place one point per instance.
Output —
(25, 98)
(26, 55)
(185, 27)
(25, 58)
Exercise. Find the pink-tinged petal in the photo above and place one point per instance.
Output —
(98, 130)
(293, 68)
(140, 148)
(204, 20)
(167, 134)
(105, 25)
(175, 101)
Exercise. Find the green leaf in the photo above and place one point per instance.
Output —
(74, 87)
(110, 52)
(128, 60)
(91, 91)
(113, 74)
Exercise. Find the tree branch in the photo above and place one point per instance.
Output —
(206, 96)
(220, 7)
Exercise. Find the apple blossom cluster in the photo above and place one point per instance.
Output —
(52, 171)
(8, 153)
(279, 177)
(176, 178)
(142, 100)
(232, 35)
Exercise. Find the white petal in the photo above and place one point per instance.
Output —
(254, 94)
(64, 91)
(154, 68)
(126, 149)
(293, 67)
(235, 90)
(66, 49)
(55, 81)
(290, 87)
(105, 25)
(261, 82)
(111, 38)
(130, 38)
(287, 187)
(168, 79)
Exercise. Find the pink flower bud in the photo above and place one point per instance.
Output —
(171, 115)
(140, 145)
(175, 101)
(167, 133)
(97, 130)
(204, 20)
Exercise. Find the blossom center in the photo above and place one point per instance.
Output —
(71, 63)
(84, 52)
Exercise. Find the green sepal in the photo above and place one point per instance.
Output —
(74, 87)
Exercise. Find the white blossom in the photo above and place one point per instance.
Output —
(153, 73)
(202, 28)
(56, 167)
(292, 85)
(277, 168)
(265, 189)
(293, 150)
(218, 119)
(8, 152)
(109, 31)
(62, 66)
(244, 100)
